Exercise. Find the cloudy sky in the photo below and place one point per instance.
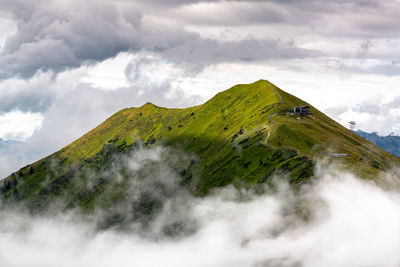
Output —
(65, 66)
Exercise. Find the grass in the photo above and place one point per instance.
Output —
(225, 141)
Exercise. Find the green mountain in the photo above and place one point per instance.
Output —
(243, 136)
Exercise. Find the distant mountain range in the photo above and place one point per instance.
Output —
(390, 143)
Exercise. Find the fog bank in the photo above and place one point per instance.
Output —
(340, 220)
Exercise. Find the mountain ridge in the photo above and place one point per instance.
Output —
(218, 143)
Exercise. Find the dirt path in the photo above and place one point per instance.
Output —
(276, 92)
(271, 122)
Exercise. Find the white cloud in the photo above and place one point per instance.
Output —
(7, 28)
(376, 113)
(346, 222)
(19, 126)
(109, 74)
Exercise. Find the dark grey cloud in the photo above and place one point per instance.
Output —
(235, 13)
(382, 67)
(319, 3)
(199, 52)
(336, 18)
(67, 35)
(364, 49)
(55, 37)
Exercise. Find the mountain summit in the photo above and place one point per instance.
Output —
(243, 136)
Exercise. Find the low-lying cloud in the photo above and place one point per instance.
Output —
(338, 220)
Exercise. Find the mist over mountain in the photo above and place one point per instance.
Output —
(252, 177)
(146, 134)
(243, 137)
(330, 221)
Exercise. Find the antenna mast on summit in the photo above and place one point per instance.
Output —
(352, 125)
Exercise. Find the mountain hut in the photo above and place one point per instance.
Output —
(303, 111)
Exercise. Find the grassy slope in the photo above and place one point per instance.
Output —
(226, 137)
(319, 136)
